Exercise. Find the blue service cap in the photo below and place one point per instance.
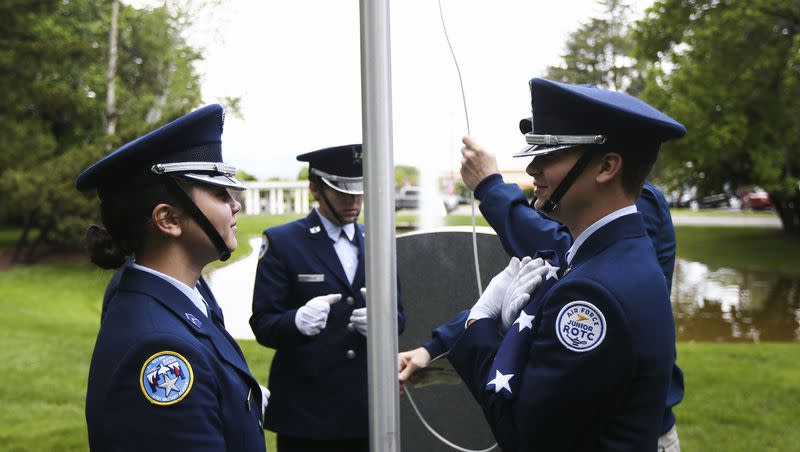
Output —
(566, 116)
(189, 147)
(339, 167)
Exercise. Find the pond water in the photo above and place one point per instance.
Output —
(710, 304)
(726, 305)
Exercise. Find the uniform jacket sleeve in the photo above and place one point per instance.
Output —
(562, 392)
(658, 223)
(445, 336)
(133, 423)
(273, 309)
(521, 229)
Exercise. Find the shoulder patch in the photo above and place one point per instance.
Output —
(166, 378)
(580, 326)
(264, 246)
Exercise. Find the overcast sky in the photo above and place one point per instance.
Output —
(296, 66)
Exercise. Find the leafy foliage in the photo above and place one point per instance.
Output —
(599, 52)
(730, 70)
(53, 61)
(405, 175)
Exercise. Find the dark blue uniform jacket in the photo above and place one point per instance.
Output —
(608, 398)
(222, 409)
(523, 231)
(318, 383)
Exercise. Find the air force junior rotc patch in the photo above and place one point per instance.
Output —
(166, 378)
(264, 246)
(580, 326)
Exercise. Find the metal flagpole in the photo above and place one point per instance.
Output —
(381, 265)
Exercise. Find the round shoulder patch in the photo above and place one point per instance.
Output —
(580, 326)
(264, 246)
(166, 378)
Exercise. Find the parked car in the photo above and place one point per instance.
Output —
(683, 198)
(409, 198)
(754, 198)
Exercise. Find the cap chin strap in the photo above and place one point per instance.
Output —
(210, 230)
(551, 203)
(330, 207)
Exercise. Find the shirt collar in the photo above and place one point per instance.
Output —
(191, 292)
(334, 231)
(573, 250)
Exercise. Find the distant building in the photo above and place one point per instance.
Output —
(276, 197)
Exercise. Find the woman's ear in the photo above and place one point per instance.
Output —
(166, 220)
(610, 167)
(312, 187)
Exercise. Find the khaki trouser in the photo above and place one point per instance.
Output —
(668, 442)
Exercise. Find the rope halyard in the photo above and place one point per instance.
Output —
(474, 251)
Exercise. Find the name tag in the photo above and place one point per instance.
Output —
(311, 278)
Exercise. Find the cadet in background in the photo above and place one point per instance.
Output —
(310, 305)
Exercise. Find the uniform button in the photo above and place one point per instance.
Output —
(351, 354)
(351, 327)
(350, 301)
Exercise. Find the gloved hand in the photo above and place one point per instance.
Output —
(264, 399)
(490, 303)
(359, 316)
(527, 280)
(312, 317)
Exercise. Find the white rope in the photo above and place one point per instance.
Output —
(474, 249)
(434, 432)
(466, 117)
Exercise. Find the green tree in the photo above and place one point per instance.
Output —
(730, 71)
(600, 52)
(405, 175)
(243, 175)
(53, 74)
(303, 173)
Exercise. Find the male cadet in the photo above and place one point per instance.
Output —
(522, 230)
(319, 373)
(587, 363)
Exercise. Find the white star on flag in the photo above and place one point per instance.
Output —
(552, 272)
(501, 381)
(524, 320)
(169, 385)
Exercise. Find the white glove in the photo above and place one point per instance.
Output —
(490, 303)
(527, 280)
(264, 399)
(359, 316)
(312, 317)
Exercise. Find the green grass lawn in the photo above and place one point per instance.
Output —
(741, 248)
(739, 397)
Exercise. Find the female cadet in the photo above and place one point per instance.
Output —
(165, 373)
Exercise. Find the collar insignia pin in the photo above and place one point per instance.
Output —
(194, 320)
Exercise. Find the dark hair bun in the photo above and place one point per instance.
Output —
(104, 251)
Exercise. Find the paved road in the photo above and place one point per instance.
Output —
(712, 220)
(232, 285)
